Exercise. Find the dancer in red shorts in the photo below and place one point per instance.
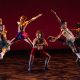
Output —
(38, 44)
(22, 24)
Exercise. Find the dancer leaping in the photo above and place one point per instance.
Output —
(22, 24)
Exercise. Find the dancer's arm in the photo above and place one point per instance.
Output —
(53, 39)
(12, 39)
(34, 18)
(34, 42)
(56, 15)
(60, 34)
(45, 42)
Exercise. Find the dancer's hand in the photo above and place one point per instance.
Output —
(39, 15)
(52, 39)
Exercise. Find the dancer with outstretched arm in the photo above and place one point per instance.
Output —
(22, 34)
(67, 34)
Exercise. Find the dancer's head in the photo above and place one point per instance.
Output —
(63, 24)
(23, 18)
(39, 34)
(0, 20)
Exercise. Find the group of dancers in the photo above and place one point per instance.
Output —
(39, 42)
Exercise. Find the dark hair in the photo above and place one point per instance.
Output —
(62, 22)
(39, 32)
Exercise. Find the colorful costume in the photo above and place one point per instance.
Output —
(21, 32)
(21, 29)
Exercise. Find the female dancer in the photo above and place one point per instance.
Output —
(22, 24)
(38, 44)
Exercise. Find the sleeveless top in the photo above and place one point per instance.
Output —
(39, 41)
(21, 28)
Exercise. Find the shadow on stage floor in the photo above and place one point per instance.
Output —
(62, 66)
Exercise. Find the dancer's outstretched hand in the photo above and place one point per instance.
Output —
(40, 14)
(52, 39)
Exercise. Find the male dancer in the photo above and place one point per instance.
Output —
(67, 34)
(22, 24)
(38, 44)
(4, 43)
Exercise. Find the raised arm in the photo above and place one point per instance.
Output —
(45, 42)
(56, 15)
(34, 18)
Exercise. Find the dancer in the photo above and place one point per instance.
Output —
(4, 43)
(67, 34)
(22, 24)
(38, 44)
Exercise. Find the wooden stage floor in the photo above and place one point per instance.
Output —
(61, 67)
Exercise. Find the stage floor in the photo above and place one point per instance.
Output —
(61, 67)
